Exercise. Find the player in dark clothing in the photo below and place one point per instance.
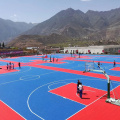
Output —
(99, 65)
(114, 64)
(53, 59)
(13, 65)
(79, 55)
(50, 58)
(80, 90)
(71, 54)
(78, 83)
(7, 66)
(19, 65)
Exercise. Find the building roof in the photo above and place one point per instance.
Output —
(96, 47)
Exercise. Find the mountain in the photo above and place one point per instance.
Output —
(75, 23)
(77, 26)
(103, 19)
(68, 22)
(36, 40)
(10, 29)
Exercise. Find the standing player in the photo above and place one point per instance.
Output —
(7, 66)
(19, 65)
(80, 90)
(114, 63)
(53, 59)
(79, 55)
(78, 83)
(13, 65)
(99, 65)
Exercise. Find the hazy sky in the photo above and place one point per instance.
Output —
(37, 11)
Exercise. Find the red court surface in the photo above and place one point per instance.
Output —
(6, 113)
(93, 99)
(96, 75)
(99, 110)
(116, 69)
(69, 91)
(45, 61)
(7, 71)
(96, 109)
(98, 61)
(4, 70)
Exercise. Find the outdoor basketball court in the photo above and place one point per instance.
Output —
(44, 90)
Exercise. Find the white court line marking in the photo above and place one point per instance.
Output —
(54, 84)
(9, 82)
(13, 80)
(23, 80)
(52, 72)
(48, 91)
(29, 77)
(48, 73)
(85, 90)
(67, 98)
(29, 98)
(89, 90)
(32, 93)
(84, 79)
(13, 110)
(15, 72)
(16, 81)
(77, 95)
(62, 96)
(89, 104)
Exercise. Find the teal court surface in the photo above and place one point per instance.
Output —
(44, 90)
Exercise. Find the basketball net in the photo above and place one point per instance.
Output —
(89, 66)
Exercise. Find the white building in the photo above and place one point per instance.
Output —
(31, 48)
(93, 49)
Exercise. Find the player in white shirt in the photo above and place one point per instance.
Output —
(80, 90)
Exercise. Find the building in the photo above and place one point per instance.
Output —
(31, 48)
(52, 50)
(111, 49)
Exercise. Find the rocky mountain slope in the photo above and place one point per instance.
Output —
(10, 29)
(78, 26)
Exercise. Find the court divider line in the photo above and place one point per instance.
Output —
(13, 109)
(90, 104)
(48, 91)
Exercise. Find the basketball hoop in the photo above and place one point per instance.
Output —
(89, 66)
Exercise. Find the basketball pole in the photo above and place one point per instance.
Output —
(108, 85)
(109, 99)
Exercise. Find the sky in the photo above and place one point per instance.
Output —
(37, 11)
